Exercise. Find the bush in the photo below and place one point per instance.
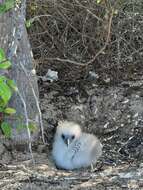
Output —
(74, 36)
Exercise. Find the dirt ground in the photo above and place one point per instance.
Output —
(114, 114)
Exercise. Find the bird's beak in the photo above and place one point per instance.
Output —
(67, 141)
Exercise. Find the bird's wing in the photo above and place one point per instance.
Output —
(76, 148)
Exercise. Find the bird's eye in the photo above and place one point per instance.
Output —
(63, 136)
(73, 137)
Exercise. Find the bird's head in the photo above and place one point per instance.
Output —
(68, 131)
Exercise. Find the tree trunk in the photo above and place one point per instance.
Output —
(14, 40)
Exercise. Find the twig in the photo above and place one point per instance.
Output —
(96, 55)
(27, 123)
(37, 103)
(107, 40)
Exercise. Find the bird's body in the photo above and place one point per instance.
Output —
(73, 149)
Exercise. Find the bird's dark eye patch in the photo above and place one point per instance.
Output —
(72, 137)
(63, 136)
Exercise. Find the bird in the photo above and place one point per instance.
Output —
(74, 149)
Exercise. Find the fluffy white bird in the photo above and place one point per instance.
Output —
(73, 149)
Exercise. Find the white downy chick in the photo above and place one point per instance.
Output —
(73, 149)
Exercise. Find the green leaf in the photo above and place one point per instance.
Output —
(2, 55)
(2, 78)
(32, 127)
(8, 4)
(5, 92)
(6, 128)
(1, 109)
(12, 84)
(116, 11)
(5, 64)
(28, 23)
(2, 104)
(98, 1)
(10, 110)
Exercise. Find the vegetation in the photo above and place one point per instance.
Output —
(7, 87)
(79, 36)
(7, 5)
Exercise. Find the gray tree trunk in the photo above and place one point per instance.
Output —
(14, 40)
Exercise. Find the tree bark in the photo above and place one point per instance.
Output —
(14, 40)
